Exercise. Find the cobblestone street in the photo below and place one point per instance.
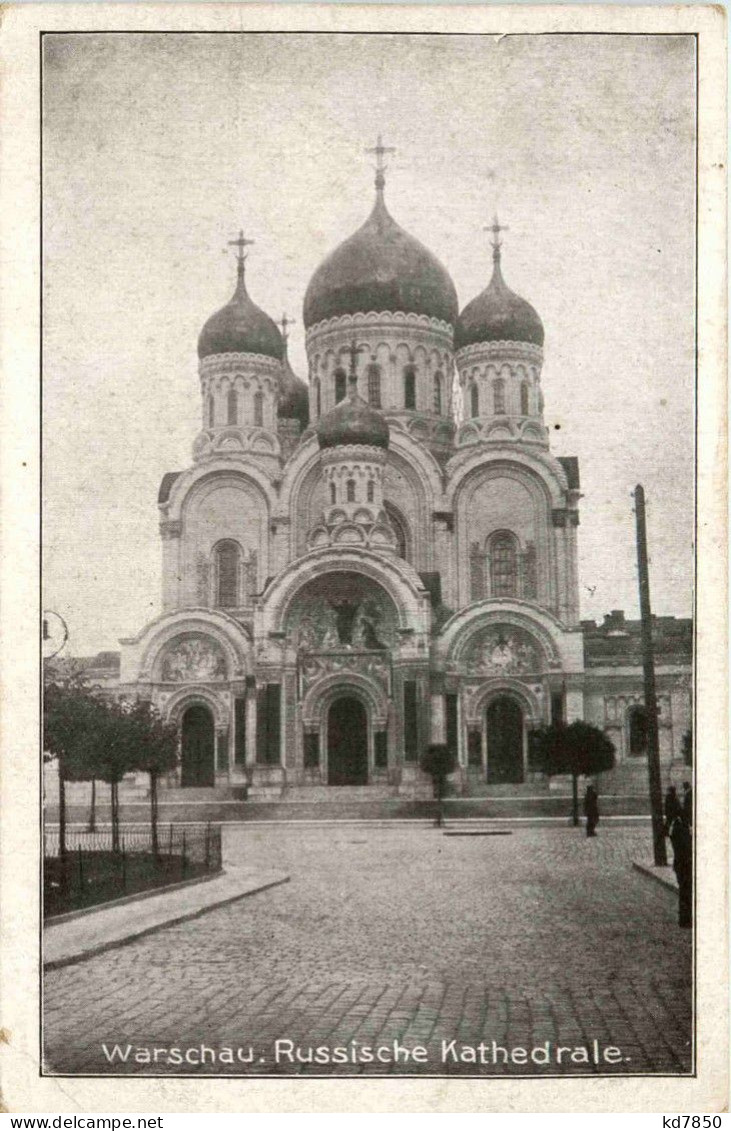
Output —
(535, 940)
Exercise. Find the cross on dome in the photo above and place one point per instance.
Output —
(352, 351)
(283, 323)
(380, 150)
(496, 228)
(240, 243)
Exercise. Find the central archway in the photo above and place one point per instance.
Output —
(347, 742)
(504, 741)
(198, 747)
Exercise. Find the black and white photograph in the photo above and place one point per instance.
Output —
(368, 672)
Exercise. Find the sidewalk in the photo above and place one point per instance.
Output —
(111, 926)
(665, 876)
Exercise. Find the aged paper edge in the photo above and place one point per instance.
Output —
(23, 1088)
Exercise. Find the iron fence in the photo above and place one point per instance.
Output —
(95, 869)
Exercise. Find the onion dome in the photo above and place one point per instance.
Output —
(380, 268)
(353, 421)
(498, 314)
(294, 401)
(240, 326)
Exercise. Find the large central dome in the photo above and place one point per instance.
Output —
(380, 268)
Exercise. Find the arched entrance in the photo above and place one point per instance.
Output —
(347, 742)
(504, 741)
(198, 747)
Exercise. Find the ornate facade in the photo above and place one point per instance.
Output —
(381, 558)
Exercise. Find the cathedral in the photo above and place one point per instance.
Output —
(385, 556)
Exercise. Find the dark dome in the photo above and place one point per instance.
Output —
(498, 315)
(353, 421)
(294, 401)
(240, 327)
(380, 268)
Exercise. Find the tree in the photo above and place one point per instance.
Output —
(116, 738)
(576, 749)
(438, 761)
(68, 710)
(155, 750)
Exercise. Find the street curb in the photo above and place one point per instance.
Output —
(113, 944)
(135, 897)
(658, 875)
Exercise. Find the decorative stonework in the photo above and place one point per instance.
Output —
(617, 706)
(194, 658)
(355, 515)
(355, 454)
(378, 319)
(389, 344)
(372, 665)
(351, 623)
(503, 429)
(503, 650)
(231, 440)
(239, 365)
(497, 351)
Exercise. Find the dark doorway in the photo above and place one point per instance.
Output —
(504, 741)
(347, 743)
(198, 748)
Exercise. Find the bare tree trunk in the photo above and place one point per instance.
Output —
(153, 813)
(115, 815)
(575, 799)
(92, 808)
(440, 794)
(61, 812)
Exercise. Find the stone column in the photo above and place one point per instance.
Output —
(280, 543)
(438, 718)
(572, 569)
(558, 519)
(170, 533)
(443, 556)
(251, 726)
(574, 701)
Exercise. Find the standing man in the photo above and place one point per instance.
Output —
(688, 803)
(673, 808)
(591, 810)
(681, 838)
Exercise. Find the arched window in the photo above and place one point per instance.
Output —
(438, 393)
(503, 565)
(498, 396)
(318, 401)
(409, 387)
(474, 401)
(340, 385)
(333, 496)
(350, 490)
(227, 574)
(524, 409)
(637, 731)
(232, 407)
(211, 410)
(370, 491)
(374, 385)
(259, 410)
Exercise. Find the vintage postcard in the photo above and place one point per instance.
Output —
(365, 368)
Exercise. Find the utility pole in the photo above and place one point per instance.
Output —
(648, 669)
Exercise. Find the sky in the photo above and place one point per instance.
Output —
(158, 148)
